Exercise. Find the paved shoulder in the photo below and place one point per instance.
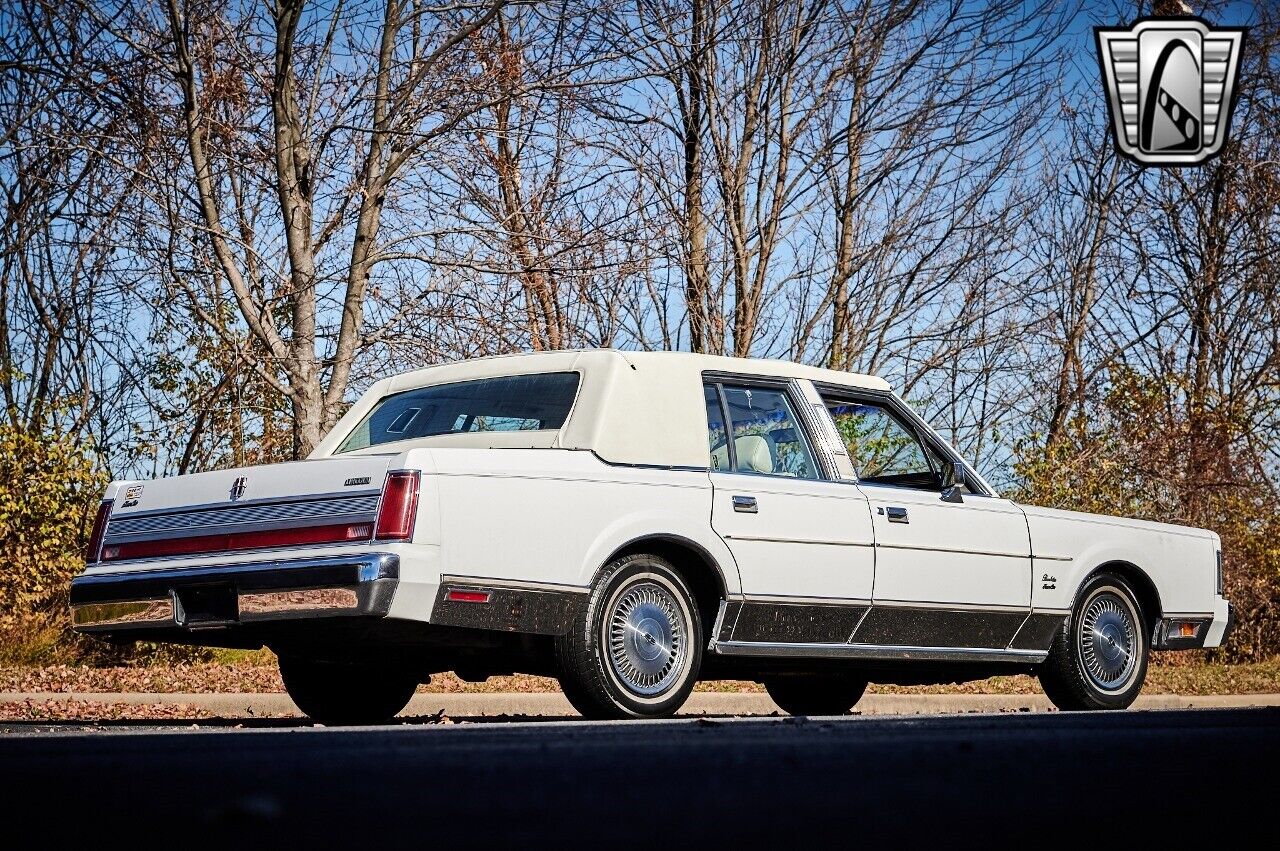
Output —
(724, 782)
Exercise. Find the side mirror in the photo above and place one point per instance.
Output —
(952, 482)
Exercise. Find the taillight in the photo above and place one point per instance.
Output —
(259, 540)
(399, 507)
(93, 552)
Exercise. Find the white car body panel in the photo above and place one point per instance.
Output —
(807, 539)
(487, 500)
(972, 553)
(1070, 545)
(544, 511)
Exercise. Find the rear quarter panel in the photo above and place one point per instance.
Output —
(555, 516)
(1069, 546)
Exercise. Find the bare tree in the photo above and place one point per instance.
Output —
(68, 116)
(417, 87)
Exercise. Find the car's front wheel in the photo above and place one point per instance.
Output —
(1098, 659)
(816, 694)
(635, 648)
(342, 693)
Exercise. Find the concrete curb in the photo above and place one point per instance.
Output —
(553, 704)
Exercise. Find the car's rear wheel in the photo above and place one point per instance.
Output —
(1098, 659)
(635, 649)
(342, 693)
(816, 694)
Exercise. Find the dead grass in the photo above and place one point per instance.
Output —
(94, 711)
(240, 672)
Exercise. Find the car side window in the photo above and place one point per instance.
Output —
(767, 436)
(715, 429)
(883, 449)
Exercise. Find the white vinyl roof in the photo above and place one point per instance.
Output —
(632, 407)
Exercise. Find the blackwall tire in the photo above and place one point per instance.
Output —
(339, 694)
(1098, 659)
(635, 649)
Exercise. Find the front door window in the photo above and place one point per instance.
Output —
(883, 449)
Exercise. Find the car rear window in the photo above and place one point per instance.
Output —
(509, 403)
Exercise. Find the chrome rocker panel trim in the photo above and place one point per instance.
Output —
(295, 589)
(877, 652)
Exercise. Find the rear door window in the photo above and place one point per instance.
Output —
(767, 436)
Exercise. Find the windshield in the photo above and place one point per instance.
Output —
(509, 403)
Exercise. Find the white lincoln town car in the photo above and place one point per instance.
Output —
(632, 523)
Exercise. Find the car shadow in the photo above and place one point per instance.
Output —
(89, 725)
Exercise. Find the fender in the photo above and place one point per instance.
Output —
(1067, 575)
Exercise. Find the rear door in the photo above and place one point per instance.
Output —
(948, 574)
(802, 540)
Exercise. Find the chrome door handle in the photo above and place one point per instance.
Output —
(745, 504)
(898, 515)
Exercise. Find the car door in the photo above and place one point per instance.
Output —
(951, 571)
(802, 540)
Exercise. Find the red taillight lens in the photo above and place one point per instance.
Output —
(399, 507)
(94, 550)
(264, 539)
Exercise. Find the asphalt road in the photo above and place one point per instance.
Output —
(1175, 778)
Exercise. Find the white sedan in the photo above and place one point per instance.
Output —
(632, 523)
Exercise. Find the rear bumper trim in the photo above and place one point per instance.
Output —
(356, 586)
(126, 613)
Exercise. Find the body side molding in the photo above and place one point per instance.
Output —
(877, 652)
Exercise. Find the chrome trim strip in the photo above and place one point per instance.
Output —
(372, 566)
(876, 652)
(923, 431)
(248, 503)
(348, 518)
(857, 626)
(520, 584)
(955, 607)
(1052, 558)
(134, 613)
(764, 539)
(136, 564)
(1037, 630)
(719, 623)
(227, 519)
(923, 548)
(259, 603)
(815, 601)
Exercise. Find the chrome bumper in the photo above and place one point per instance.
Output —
(220, 596)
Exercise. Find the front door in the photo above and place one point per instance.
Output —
(803, 542)
(948, 574)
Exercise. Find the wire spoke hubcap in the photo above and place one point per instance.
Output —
(647, 638)
(1108, 641)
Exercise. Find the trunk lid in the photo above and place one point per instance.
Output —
(328, 500)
